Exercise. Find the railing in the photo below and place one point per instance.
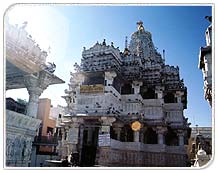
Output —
(127, 154)
(153, 102)
(138, 146)
(173, 106)
(45, 140)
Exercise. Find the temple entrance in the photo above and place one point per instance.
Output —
(89, 146)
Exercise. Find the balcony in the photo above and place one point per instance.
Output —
(173, 106)
(46, 141)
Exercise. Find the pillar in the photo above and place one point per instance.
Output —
(117, 131)
(181, 134)
(178, 96)
(81, 131)
(136, 136)
(160, 134)
(159, 91)
(73, 136)
(32, 107)
(109, 77)
(136, 85)
(35, 86)
(142, 132)
(106, 123)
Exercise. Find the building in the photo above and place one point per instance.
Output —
(25, 68)
(205, 62)
(45, 143)
(126, 108)
(200, 145)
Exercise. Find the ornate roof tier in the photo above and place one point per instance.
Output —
(24, 57)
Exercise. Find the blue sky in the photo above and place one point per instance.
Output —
(177, 29)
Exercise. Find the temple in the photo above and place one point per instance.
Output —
(205, 62)
(25, 68)
(125, 108)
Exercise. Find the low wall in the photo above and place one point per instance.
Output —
(132, 154)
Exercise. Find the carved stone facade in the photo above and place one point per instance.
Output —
(205, 63)
(130, 99)
(20, 132)
(25, 68)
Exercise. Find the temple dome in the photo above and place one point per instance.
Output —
(141, 43)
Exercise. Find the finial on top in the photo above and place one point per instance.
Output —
(104, 42)
(140, 25)
(126, 51)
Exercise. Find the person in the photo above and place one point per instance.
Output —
(74, 158)
(65, 162)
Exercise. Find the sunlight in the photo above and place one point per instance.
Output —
(50, 29)
(42, 26)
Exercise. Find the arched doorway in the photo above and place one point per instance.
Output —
(150, 136)
(171, 138)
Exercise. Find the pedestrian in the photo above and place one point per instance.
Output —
(74, 158)
(65, 162)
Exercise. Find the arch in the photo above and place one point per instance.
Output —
(127, 89)
(171, 138)
(147, 93)
(150, 136)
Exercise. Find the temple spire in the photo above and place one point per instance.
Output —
(126, 50)
(126, 42)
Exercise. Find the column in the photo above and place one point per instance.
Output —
(81, 141)
(106, 123)
(136, 136)
(35, 86)
(142, 132)
(160, 134)
(117, 131)
(32, 107)
(159, 91)
(73, 136)
(178, 96)
(136, 85)
(181, 134)
(109, 77)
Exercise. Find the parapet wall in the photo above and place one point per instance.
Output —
(132, 154)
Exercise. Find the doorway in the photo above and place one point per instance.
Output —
(89, 146)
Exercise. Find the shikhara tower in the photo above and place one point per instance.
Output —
(126, 108)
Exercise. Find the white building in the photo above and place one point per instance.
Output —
(25, 68)
(126, 108)
(205, 63)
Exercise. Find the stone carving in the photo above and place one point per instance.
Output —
(77, 67)
(18, 148)
(135, 87)
(50, 67)
(18, 39)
